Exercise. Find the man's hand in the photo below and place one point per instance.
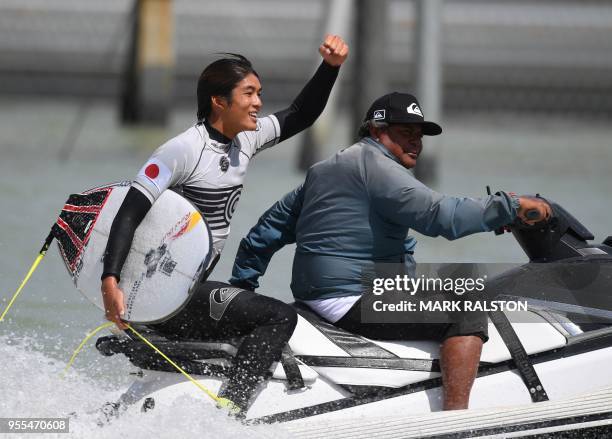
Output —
(113, 301)
(334, 50)
(529, 205)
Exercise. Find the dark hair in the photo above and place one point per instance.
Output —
(364, 128)
(219, 79)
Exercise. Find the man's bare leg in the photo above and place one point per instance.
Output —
(459, 359)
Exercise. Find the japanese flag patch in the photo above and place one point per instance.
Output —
(157, 173)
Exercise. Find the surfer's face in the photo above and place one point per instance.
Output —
(241, 113)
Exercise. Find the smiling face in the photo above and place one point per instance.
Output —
(241, 113)
(404, 141)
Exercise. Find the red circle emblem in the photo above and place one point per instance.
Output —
(152, 171)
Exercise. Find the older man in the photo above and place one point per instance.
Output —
(355, 209)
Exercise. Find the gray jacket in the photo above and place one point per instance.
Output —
(353, 210)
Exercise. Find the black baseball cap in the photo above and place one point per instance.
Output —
(397, 107)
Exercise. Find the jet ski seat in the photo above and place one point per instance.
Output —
(350, 359)
(326, 339)
(321, 338)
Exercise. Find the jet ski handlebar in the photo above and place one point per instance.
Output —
(559, 237)
(534, 214)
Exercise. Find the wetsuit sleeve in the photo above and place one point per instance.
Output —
(131, 213)
(301, 114)
(399, 197)
(309, 104)
(274, 230)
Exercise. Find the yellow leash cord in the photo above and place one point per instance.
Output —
(85, 340)
(39, 258)
(176, 366)
(222, 401)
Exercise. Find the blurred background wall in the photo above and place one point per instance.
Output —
(525, 56)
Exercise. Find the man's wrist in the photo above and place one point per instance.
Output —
(515, 201)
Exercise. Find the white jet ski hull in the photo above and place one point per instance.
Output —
(328, 396)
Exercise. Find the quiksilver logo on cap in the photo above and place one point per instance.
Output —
(414, 109)
(379, 114)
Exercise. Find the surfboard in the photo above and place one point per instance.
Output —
(172, 247)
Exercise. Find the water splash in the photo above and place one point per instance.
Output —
(32, 387)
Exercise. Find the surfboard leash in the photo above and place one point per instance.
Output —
(85, 340)
(176, 366)
(222, 402)
(41, 255)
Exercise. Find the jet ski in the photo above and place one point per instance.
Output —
(557, 350)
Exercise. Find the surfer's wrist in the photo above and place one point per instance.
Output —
(111, 278)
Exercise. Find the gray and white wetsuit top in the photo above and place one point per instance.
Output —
(209, 173)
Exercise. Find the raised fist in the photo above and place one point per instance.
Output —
(334, 50)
